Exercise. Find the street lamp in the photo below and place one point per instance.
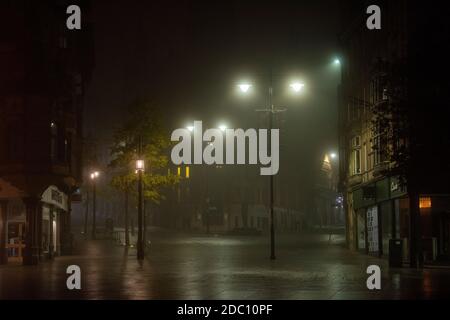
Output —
(223, 127)
(94, 177)
(140, 167)
(244, 87)
(297, 87)
(190, 128)
(337, 61)
(333, 155)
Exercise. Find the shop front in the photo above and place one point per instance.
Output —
(435, 227)
(30, 229)
(54, 207)
(382, 213)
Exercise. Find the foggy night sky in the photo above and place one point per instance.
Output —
(186, 56)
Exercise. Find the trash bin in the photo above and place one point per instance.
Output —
(395, 253)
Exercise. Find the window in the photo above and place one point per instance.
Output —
(53, 140)
(378, 89)
(424, 202)
(366, 163)
(355, 158)
(379, 146)
(354, 110)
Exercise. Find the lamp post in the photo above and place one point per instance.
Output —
(140, 245)
(271, 110)
(94, 177)
(86, 215)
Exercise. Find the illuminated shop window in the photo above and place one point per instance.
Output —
(424, 202)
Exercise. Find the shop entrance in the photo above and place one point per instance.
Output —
(445, 236)
(16, 241)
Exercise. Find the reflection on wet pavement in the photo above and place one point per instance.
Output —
(220, 267)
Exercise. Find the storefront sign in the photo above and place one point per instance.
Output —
(369, 192)
(394, 185)
(55, 197)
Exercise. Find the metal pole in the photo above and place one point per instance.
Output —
(144, 236)
(94, 231)
(86, 214)
(272, 222)
(140, 247)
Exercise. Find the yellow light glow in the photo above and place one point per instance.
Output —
(188, 173)
(179, 171)
(424, 202)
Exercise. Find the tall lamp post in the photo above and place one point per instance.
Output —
(271, 110)
(94, 177)
(140, 245)
(86, 215)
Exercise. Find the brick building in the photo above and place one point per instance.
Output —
(45, 68)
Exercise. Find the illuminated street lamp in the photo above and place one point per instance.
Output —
(190, 128)
(333, 155)
(223, 127)
(337, 61)
(140, 167)
(297, 87)
(94, 177)
(244, 87)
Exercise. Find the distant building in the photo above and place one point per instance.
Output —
(222, 198)
(391, 174)
(45, 68)
(328, 202)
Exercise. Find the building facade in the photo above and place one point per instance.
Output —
(226, 199)
(45, 68)
(388, 174)
(328, 202)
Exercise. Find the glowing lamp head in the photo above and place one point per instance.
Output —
(94, 175)
(223, 127)
(297, 86)
(244, 87)
(190, 128)
(333, 155)
(337, 61)
(140, 166)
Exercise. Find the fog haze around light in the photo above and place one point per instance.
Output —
(189, 60)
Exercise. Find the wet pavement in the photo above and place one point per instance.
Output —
(220, 267)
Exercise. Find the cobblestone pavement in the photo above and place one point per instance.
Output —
(220, 267)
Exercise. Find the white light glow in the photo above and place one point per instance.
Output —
(244, 87)
(297, 86)
(140, 165)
